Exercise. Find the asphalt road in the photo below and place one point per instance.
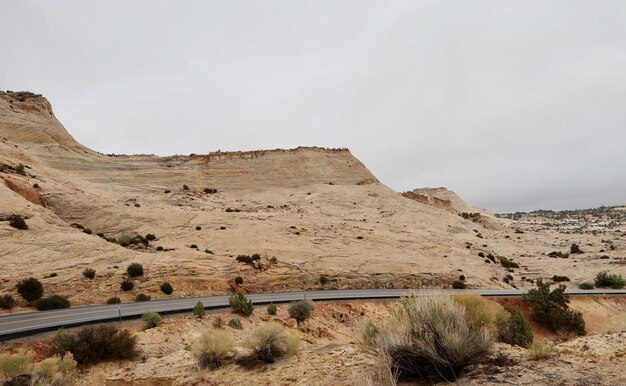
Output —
(29, 323)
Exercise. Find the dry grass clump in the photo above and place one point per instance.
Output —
(269, 342)
(431, 337)
(484, 313)
(540, 351)
(12, 365)
(213, 348)
(58, 370)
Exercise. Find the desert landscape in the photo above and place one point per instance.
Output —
(308, 218)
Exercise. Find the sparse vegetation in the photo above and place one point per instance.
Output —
(506, 263)
(240, 304)
(272, 309)
(213, 348)
(218, 322)
(134, 270)
(614, 281)
(151, 320)
(558, 254)
(89, 273)
(268, 343)
(540, 351)
(54, 302)
(235, 323)
(167, 288)
(12, 365)
(142, 298)
(301, 310)
(17, 222)
(57, 370)
(95, 344)
(551, 308)
(198, 310)
(248, 259)
(370, 332)
(586, 286)
(30, 289)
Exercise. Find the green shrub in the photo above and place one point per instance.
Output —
(142, 298)
(586, 286)
(430, 337)
(12, 365)
(551, 308)
(151, 320)
(615, 281)
(124, 240)
(506, 263)
(559, 279)
(127, 285)
(515, 330)
(114, 300)
(95, 344)
(55, 371)
(30, 289)
(89, 273)
(272, 309)
(134, 270)
(198, 310)
(20, 169)
(167, 288)
(17, 222)
(575, 248)
(301, 310)
(54, 302)
(540, 351)
(235, 323)
(240, 304)
(457, 284)
(7, 302)
(213, 348)
(269, 342)
(370, 332)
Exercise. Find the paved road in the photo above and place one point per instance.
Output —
(32, 322)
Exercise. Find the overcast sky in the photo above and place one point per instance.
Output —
(515, 105)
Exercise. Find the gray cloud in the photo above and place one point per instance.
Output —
(513, 104)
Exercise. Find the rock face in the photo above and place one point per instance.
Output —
(317, 217)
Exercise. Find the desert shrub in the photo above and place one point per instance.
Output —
(248, 259)
(7, 302)
(235, 323)
(89, 273)
(481, 254)
(218, 322)
(88, 231)
(301, 310)
(198, 228)
(551, 308)
(17, 222)
(54, 302)
(480, 312)
(540, 351)
(273, 260)
(213, 348)
(127, 285)
(370, 332)
(20, 169)
(558, 278)
(239, 280)
(324, 280)
(57, 370)
(30, 289)
(159, 248)
(269, 342)
(457, 284)
(586, 286)
(209, 191)
(124, 240)
(95, 344)
(142, 298)
(558, 254)
(430, 337)
(615, 281)
(515, 330)
(185, 187)
(134, 270)
(167, 288)
(506, 263)
(575, 248)
(193, 246)
(240, 304)
(151, 320)
(12, 365)
(114, 300)
(272, 309)
(150, 237)
(462, 277)
(198, 310)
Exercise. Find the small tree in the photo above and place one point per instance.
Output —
(240, 304)
(30, 289)
(198, 310)
(167, 288)
(89, 273)
(301, 310)
(272, 309)
(151, 320)
(134, 270)
(551, 308)
(516, 331)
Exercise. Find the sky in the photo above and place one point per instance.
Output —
(514, 105)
